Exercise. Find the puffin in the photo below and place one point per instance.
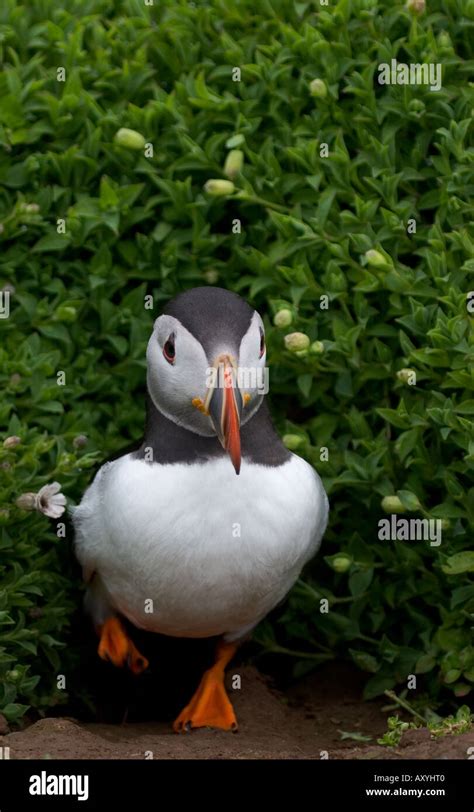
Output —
(205, 527)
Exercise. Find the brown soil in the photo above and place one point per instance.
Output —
(303, 723)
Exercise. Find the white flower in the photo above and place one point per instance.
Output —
(50, 501)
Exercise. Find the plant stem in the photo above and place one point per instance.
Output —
(260, 201)
(404, 704)
(305, 655)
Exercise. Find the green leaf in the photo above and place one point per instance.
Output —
(409, 500)
(360, 581)
(14, 711)
(459, 563)
(425, 664)
(52, 242)
(364, 661)
(377, 684)
(305, 383)
(119, 344)
(357, 737)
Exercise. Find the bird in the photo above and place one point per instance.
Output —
(205, 527)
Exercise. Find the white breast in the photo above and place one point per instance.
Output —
(194, 550)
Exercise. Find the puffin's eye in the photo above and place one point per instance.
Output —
(262, 343)
(169, 350)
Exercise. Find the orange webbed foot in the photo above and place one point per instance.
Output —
(210, 706)
(116, 646)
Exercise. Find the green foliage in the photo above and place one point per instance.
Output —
(138, 226)
(454, 724)
(395, 730)
(461, 722)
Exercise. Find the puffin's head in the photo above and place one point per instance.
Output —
(206, 364)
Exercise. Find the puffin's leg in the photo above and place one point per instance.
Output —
(115, 644)
(210, 705)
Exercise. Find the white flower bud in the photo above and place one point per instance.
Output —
(406, 375)
(416, 6)
(130, 139)
(219, 188)
(375, 258)
(318, 89)
(233, 163)
(27, 501)
(283, 318)
(392, 504)
(295, 342)
(317, 348)
(11, 442)
(293, 441)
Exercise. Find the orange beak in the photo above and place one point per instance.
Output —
(225, 408)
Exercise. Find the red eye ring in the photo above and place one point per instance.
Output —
(262, 343)
(169, 350)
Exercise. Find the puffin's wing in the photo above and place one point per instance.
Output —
(89, 525)
(318, 512)
(85, 516)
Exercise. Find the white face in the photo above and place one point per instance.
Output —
(177, 379)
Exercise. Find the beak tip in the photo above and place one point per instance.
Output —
(236, 462)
